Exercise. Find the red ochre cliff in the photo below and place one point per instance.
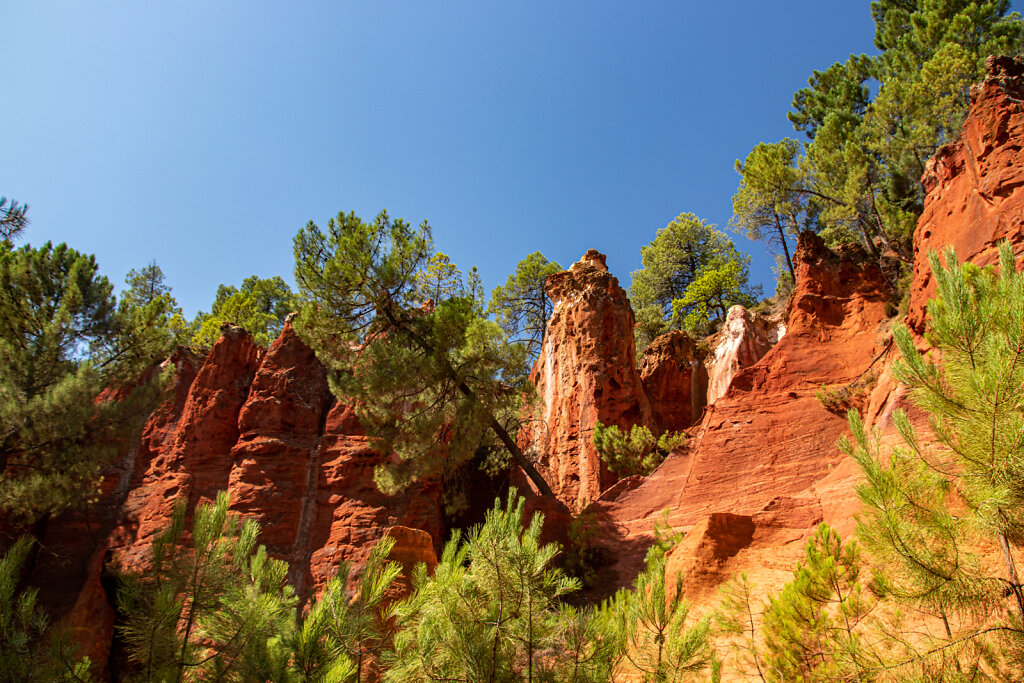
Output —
(759, 471)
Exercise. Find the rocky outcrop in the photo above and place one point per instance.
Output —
(585, 373)
(975, 184)
(675, 381)
(349, 513)
(274, 464)
(188, 455)
(768, 438)
(743, 340)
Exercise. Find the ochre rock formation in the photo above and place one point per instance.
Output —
(975, 184)
(586, 372)
(743, 340)
(263, 426)
(768, 441)
(674, 380)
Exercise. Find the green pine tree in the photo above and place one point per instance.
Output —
(932, 504)
(489, 612)
(65, 342)
(739, 618)
(435, 387)
(521, 306)
(30, 648)
(13, 219)
(772, 203)
(814, 629)
(692, 274)
(650, 623)
(260, 305)
(634, 452)
(211, 611)
(872, 123)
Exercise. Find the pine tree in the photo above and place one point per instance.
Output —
(650, 622)
(489, 611)
(433, 386)
(814, 628)
(361, 627)
(260, 305)
(692, 274)
(13, 219)
(634, 452)
(521, 306)
(873, 122)
(738, 617)
(209, 612)
(771, 203)
(933, 502)
(30, 648)
(64, 341)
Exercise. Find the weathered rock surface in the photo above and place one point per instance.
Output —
(768, 437)
(743, 340)
(975, 184)
(675, 381)
(585, 373)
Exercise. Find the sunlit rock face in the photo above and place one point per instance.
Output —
(586, 372)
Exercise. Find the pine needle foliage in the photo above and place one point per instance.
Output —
(650, 623)
(634, 452)
(872, 123)
(739, 618)
(814, 629)
(30, 649)
(13, 219)
(64, 340)
(211, 611)
(345, 636)
(521, 306)
(692, 274)
(425, 381)
(931, 505)
(489, 612)
(260, 305)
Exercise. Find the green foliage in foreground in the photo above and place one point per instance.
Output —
(634, 452)
(928, 509)
(210, 610)
(650, 623)
(63, 341)
(29, 649)
(489, 611)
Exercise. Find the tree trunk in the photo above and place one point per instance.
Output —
(1011, 571)
(785, 248)
(517, 454)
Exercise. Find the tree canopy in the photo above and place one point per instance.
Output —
(435, 386)
(521, 306)
(771, 203)
(64, 340)
(872, 122)
(260, 305)
(692, 274)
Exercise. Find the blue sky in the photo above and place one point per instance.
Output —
(204, 135)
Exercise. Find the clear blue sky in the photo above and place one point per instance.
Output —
(205, 134)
